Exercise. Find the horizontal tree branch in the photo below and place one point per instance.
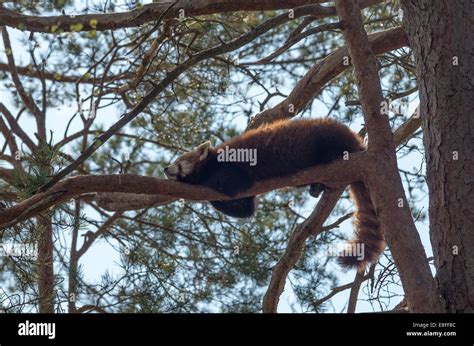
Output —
(27, 71)
(151, 12)
(119, 201)
(143, 14)
(335, 174)
(112, 201)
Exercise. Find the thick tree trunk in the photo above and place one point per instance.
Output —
(45, 265)
(442, 37)
(381, 173)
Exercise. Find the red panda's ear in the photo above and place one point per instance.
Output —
(203, 150)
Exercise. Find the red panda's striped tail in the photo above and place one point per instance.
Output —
(369, 241)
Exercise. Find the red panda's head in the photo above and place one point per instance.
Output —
(188, 164)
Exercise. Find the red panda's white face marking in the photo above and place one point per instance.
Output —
(188, 162)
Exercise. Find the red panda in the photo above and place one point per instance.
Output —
(282, 148)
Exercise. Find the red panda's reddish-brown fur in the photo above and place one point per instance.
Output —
(367, 229)
(283, 148)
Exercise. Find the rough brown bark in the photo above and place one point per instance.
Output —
(45, 266)
(442, 38)
(382, 177)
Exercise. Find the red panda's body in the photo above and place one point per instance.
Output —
(286, 147)
(282, 148)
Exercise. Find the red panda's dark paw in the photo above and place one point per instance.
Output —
(240, 208)
(315, 189)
